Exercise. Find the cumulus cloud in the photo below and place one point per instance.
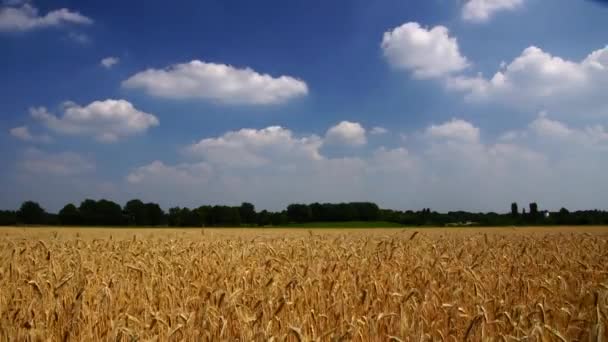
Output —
(109, 62)
(483, 10)
(217, 82)
(427, 53)
(538, 80)
(23, 133)
(551, 131)
(106, 121)
(35, 161)
(252, 147)
(444, 169)
(346, 133)
(182, 173)
(26, 18)
(455, 129)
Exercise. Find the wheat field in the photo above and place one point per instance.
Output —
(537, 284)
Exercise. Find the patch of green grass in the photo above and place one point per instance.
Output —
(345, 224)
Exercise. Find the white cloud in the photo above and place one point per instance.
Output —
(455, 129)
(482, 10)
(217, 82)
(106, 121)
(346, 133)
(544, 126)
(36, 161)
(378, 130)
(109, 62)
(428, 53)
(182, 173)
(447, 168)
(23, 133)
(550, 131)
(538, 80)
(26, 18)
(253, 148)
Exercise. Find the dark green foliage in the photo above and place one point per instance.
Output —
(135, 213)
(101, 213)
(264, 218)
(247, 213)
(8, 218)
(514, 209)
(138, 213)
(155, 216)
(31, 213)
(69, 215)
(299, 213)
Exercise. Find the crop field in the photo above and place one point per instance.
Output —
(497, 284)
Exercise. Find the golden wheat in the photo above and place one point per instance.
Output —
(262, 285)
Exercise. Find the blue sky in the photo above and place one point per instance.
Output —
(444, 104)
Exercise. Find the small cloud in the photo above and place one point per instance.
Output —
(378, 130)
(26, 17)
(456, 129)
(106, 121)
(479, 11)
(109, 62)
(426, 52)
(23, 133)
(346, 133)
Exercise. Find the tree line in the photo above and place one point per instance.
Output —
(137, 213)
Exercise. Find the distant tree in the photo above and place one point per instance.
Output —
(31, 213)
(69, 215)
(514, 209)
(204, 214)
(562, 216)
(367, 211)
(102, 213)
(279, 219)
(109, 213)
(8, 218)
(88, 212)
(135, 212)
(298, 213)
(155, 216)
(173, 217)
(225, 216)
(533, 209)
(264, 218)
(247, 213)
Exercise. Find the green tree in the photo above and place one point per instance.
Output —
(514, 210)
(298, 213)
(533, 209)
(109, 213)
(8, 218)
(155, 216)
(31, 213)
(88, 212)
(264, 218)
(135, 212)
(173, 217)
(69, 215)
(247, 213)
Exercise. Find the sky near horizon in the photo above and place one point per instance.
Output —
(445, 104)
